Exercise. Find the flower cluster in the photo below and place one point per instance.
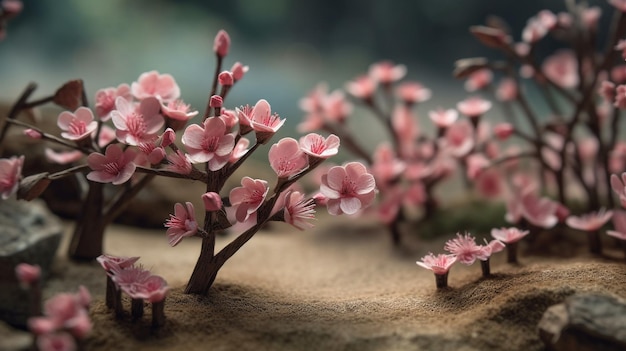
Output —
(123, 275)
(465, 250)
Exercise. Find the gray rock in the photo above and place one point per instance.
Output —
(29, 233)
(586, 322)
(12, 339)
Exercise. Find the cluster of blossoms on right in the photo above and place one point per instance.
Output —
(552, 160)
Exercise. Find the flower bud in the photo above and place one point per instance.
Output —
(221, 44)
(216, 101)
(226, 79)
(238, 71)
(168, 137)
(212, 201)
(33, 134)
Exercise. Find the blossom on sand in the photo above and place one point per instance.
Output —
(135, 125)
(590, 221)
(348, 188)
(77, 125)
(465, 249)
(64, 311)
(319, 147)
(508, 235)
(153, 84)
(286, 158)
(439, 264)
(247, 198)
(109, 262)
(299, 210)
(182, 223)
(10, 173)
(105, 99)
(152, 288)
(264, 123)
(209, 143)
(116, 166)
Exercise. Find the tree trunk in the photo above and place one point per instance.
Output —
(87, 240)
(205, 271)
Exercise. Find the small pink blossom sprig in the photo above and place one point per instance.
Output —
(466, 250)
(65, 321)
(139, 284)
(511, 237)
(440, 265)
(591, 223)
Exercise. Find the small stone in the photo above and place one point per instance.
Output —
(586, 322)
(29, 233)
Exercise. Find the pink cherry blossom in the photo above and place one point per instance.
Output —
(507, 90)
(465, 249)
(405, 127)
(33, 134)
(67, 311)
(178, 162)
(363, 87)
(152, 289)
(115, 166)
(240, 149)
(312, 103)
(212, 201)
(299, 210)
(539, 211)
(109, 262)
(348, 188)
(562, 68)
(443, 118)
(225, 78)
(77, 125)
(27, 274)
(264, 123)
(178, 110)
(317, 146)
(590, 221)
(503, 130)
(385, 72)
(607, 91)
(492, 247)
(619, 225)
(137, 125)
(619, 187)
(489, 183)
(247, 198)
(620, 97)
(336, 107)
(439, 264)
(152, 84)
(478, 80)
(508, 235)
(62, 157)
(458, 139)
(239, 70)
(386, 165)
(10, 174)
(474, 106)
(60, 341)
(105, 100)
(413, 92)
(182, 223)
(221, 43)
(287, 158)
(209, 143)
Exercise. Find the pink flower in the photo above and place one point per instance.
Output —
(264, 123)
(212, 201)
(507, 90)
(77, 125)
(152, 84)
(317, 146)
(10, 174)
(619, 225)
(589, 222)
(248, 197)
(503, 130)
(562, 68)
(617, 184)
(489, 183)
(405, 127)
(386, 72)
(443, 118)
(63, 157)
(465, 249)
(620, 97)
(286, 158)
(179, 163)
(363, 87)
(110, 262)
(153, 289)
(478, 80)
(67, 311)
(619, 4)
(137, 125)
(348, 188)
(33, 134)
(115, 166)
(61, 341)
(439, 264)
(413, 92)
(239, 70)
(474, 106)
(221, 43)
(459, 138)
(209, 143)
(181, 224)
(178, 110)
(336, 107)
(386, 166)
(492, 247)
(27, 274)
(298, 210)
(105, 100)
(539, 211)
(508, 235)
(607, 91)
(226, 79)
(240, 149)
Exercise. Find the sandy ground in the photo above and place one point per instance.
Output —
(338, 287)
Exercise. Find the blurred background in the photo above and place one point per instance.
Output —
(290, 46)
